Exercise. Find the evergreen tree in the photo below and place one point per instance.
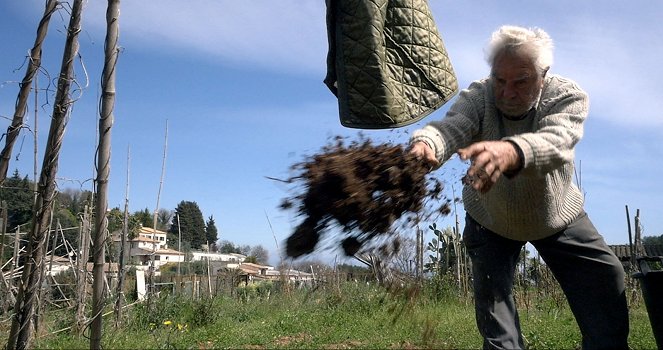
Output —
(228, 247)
(145, 217)
(19, 196)
(116, 223)
(115, 220)
(211, 233)
(74, 200)
(191, 224)
(164, 218)
(654, 240)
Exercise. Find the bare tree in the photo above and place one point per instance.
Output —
(405, 258)
(22, 101)
(20, 335)
(260, 253)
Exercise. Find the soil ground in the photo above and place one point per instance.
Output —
(367, 190)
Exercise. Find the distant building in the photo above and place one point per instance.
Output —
(225, 260)
(250, 272)
(255, 270)
(623, 252)
(149, 242)
(58, 264)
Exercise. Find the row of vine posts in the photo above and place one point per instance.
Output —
(27, 307)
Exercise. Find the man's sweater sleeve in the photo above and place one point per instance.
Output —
(458, 128)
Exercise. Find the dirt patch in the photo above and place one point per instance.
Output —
(290, 339)
(365, 190)
(348, 344)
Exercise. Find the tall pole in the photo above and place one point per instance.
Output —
(156, 209)
(123, 249)
(22, 329)
(35, 166)
(26, 85)
(630, 239)
(179, 241)
(103, 169)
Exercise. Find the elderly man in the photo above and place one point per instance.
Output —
(519, 128)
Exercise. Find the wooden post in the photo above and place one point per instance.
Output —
(152, 288)
(4, 287)
(417, 252)
(21, 333)
(639, 248)
(123, 250)
(179, 241)
(17, 246)
(630, 240)
(34, 63)
(81, 270)
(103, 168)
(3, 231)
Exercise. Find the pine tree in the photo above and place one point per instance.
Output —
(228, 247)
(211, 233)
(18, 194)
(191, 224)
(145, 217)
(164, 218)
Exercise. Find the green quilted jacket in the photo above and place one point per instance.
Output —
(386, 64)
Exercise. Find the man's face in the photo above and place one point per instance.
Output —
(516, 84)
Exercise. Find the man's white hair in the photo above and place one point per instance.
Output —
(532, 42)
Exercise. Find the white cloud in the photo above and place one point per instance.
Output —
(284, 35)
(616, 65)
(600, 47)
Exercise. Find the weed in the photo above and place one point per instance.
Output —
(164, 332)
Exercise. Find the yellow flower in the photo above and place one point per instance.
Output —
(167, 322)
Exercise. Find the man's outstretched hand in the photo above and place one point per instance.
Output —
(422, 151)
(490, 159)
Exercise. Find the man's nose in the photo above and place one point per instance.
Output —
(509, 91)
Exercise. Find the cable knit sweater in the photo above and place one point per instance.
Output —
(542, 198)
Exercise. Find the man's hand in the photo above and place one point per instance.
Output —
(490, 159)
(422, 151)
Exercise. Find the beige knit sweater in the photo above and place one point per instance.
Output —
(542, 198)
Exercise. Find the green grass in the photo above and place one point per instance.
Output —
(356, 316)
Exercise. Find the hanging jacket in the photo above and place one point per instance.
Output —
(386, 64)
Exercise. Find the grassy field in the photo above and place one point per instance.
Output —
(350, 316)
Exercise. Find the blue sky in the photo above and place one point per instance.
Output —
(239, 84)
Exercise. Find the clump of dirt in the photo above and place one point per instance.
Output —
(361, 188)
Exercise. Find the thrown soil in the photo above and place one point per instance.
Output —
(363, 189)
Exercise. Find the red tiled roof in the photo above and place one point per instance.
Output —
(149, 231)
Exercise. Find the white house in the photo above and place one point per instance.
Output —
(230, 260)
(150, 242)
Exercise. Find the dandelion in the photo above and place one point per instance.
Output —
(167, 322)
